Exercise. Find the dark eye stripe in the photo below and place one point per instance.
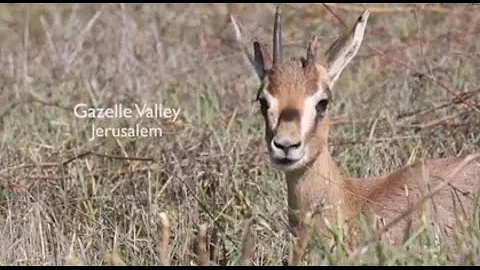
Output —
(289, 114)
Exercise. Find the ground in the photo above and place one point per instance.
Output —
(66, 195)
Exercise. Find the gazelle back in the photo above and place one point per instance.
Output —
(294, 98)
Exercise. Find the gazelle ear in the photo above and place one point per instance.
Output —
(342, 51)
(257, 60)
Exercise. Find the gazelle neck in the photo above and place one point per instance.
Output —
(318, 183)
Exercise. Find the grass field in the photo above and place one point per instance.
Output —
(64, 195)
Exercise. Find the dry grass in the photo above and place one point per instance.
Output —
(68, 200)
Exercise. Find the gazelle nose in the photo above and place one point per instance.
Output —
(285, 145)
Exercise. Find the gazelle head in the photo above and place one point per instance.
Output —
(294, 95)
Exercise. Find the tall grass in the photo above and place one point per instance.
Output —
(66, 200)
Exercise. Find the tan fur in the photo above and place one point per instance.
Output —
(291, 79)
(383, 197)
(315, 179)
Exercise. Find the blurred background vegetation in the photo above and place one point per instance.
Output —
(63, 195)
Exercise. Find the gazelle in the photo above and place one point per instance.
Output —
(294, 98)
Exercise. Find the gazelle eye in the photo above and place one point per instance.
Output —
(321, 106)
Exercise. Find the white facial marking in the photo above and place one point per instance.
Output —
(309, 112)
(273, 108)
